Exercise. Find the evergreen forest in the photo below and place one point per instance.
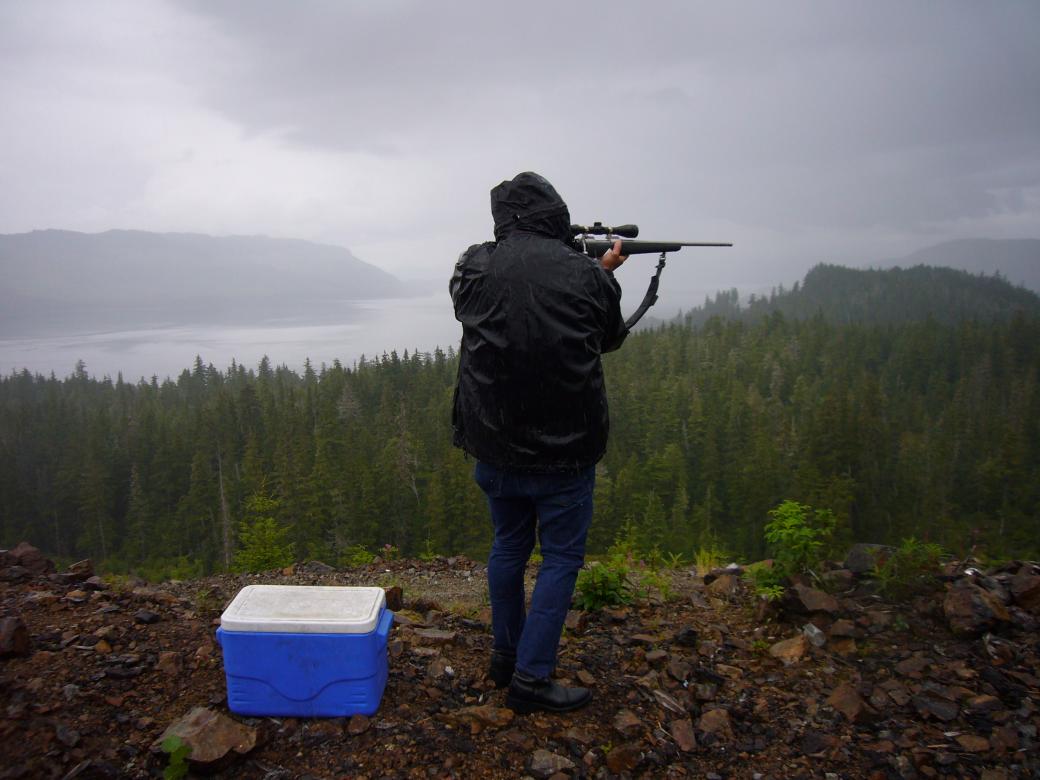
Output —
(906, 403)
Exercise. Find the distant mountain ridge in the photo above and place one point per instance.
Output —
(60, 279)
(1017, 260)
(881, 296)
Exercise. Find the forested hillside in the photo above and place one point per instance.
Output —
(875, 296)
(924, 428)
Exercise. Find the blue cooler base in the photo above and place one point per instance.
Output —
(306, 675)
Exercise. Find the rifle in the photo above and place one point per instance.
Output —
(595, 248)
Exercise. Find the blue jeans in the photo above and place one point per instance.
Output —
(559, 508)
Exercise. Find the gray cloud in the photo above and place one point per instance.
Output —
(804, 131)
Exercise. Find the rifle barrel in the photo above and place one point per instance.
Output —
(596, 247)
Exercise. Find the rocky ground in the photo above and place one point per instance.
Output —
(711, 683)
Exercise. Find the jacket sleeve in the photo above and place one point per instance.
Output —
(614, 332)
(467, 269)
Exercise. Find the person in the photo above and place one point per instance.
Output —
(530, 406)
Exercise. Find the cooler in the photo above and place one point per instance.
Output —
(305, 651)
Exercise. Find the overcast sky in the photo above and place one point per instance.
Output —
(802, 131)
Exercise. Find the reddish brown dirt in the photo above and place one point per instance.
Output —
(99, 687)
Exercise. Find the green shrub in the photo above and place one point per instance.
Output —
(660, 581)
(428, 553)
(773, 592)
(708, 557)
(262, 538)
(909, 569)
(765, 580)
(178, 753)
(674, 560)
(602, 585)
(356, 555)
(797, 534)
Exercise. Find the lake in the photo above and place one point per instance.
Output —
(367, 328)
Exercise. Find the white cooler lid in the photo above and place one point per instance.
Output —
(304, 609)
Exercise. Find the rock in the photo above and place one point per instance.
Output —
(839, 579)
(544, 764)
(14, 574)
(484, 716)
(683, 734)
(210, 736)
(878, 619)
(936, 707)
(82, 570)
(576, 621)
(995, 587)
(1025, 588)
(586, 678)
(811, 600)
(845, 628)
(983, 703)
(627, 723)
(14, 637)
(912, 666)
(732, 570)
(103, 647)
(30, 559)
(41, 598)
(578, 734)
(145, 616)
(816, 637)
(725, 586)
(439, 667)
(816, 743)
(357, 725)
(616, 614)
(668, 703)
(846, 700)
(844, 645)
(687, 637)
(94, 583)
(790, 651)
(864, 558)
(66, 736)
(972, 743)
(971, 610)
(435, 636)
(657, 658)
(316, 567)
(205, 650)
(624, 758)
(395, 598)
(716, 722)
(169, 663)
(879, 700)
(678, 669)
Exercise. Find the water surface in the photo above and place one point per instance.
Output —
(367, 328)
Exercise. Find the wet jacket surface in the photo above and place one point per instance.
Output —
(536, 316)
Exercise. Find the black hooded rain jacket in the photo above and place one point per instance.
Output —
(536, 315)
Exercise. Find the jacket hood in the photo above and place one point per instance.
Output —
(528, 202)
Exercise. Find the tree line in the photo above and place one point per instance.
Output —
(903, 428)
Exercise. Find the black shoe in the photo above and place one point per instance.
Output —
(528, 694)
(500, 671)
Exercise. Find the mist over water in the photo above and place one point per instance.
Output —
(360, 328)
(368, 328)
